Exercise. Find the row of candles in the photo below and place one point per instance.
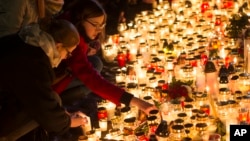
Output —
(177, 41)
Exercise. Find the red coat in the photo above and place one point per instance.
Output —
(83, 70)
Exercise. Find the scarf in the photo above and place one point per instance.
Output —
(33, 35)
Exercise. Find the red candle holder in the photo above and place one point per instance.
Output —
(121, 59)
(204, 6)
(102, 113)
(205, 108)
(204, 59)
(243, 115)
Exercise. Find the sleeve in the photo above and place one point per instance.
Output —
(83, 70)
(16, 13)
(32, 85)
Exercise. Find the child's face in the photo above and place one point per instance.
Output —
(93, 26)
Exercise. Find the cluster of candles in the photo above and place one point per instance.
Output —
(178, 41)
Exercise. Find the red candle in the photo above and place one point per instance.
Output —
(206, 109)
(121, 59)
(204, 6)
(218, 21)
(204, 59)
(102, 113)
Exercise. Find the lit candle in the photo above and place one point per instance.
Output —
(121, 59)
(103, 124)
(111, 109)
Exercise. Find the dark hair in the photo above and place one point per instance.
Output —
(84, 9)
(62, 31)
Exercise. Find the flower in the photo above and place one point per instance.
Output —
(179, 89)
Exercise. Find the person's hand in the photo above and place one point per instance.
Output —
(91, 51)
(143, 105)
(78, 119)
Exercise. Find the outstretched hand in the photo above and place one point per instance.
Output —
(142, 105)
(78, 119)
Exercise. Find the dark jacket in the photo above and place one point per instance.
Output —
(26, 76)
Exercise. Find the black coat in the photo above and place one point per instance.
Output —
(26, 76)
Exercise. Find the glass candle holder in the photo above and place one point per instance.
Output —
(244, 82)
(103, 123)
(177, 133)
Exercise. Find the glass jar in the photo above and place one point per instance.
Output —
(125, 113)
(129, 126)
(115, 134)
(132, 88)
(187, 73)
(202, 103)
(102, 113)
(141, 136)
(188, 109)
(155, 113)
(244, 82)
(177, 133)
(152, 124)
(91, 135)
(201, 117)
(224, 94)
(189, 129)
(182, 116)
(152, 82)
(119, 76)
(201, 132)
(179, 121)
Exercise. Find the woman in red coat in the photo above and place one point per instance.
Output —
(89, 17)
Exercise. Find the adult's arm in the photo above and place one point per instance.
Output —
(32, 85)
(16, 13)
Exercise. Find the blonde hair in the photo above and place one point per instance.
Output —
(62, 31)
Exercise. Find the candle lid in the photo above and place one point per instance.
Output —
(243, 76)
(154, 112)
(125, 109)
(188, 125)
(188, 106)
(130, 120)
(235, 77)
(224, 91)
(201, 126)
(177, 128)
(182, 115)
(152, 118)
(179, 121)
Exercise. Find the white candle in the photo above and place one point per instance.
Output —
(98, 132)
(103, 123)
(111, 110)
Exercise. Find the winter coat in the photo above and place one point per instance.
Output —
(25, 86)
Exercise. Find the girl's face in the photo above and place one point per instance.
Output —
(94, 26)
